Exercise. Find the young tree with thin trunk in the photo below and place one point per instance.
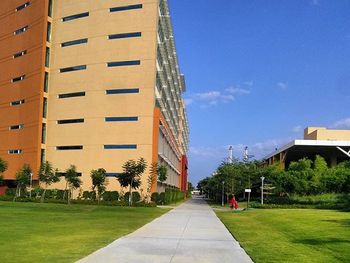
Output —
(72, 181)
(162, 172)
(22, 179)
(47, 175)
(99, 182)
(3, 168)
(131, 176)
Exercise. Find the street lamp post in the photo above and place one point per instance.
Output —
(262, 189)
(223, 193)
(30, 185)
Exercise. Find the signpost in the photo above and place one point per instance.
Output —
(248, 200)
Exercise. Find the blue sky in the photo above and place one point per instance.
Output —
(258, 72)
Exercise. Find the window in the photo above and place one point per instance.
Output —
(43, 133)
(43, 156)
(124, 8)
(66, 148)
(48, 32)
(22, 6)
(17, 151)
(71, 95)
(45, 108)
(73, 17)
(47, 57)
(124, 63)
(124, 35)
(74, 42)
(111, 119)
(18, 78)
(46, 82)
(112, 174)
(119, 146)
(16, 127)
(70, 121)
(121, 91)
(17, 102)
(75, 68)
(20, 54)
(49, 13)
(21, 30)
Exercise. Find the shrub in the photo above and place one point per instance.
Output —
(10, 191)
(60, 194)
(161, 199)
(136, 197)
(89, 195)
(155, 197)
(110, 196)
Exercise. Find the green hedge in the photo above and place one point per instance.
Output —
(136, 197)
(110, 196)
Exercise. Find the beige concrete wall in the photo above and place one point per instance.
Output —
(320, 133)
(96, 105)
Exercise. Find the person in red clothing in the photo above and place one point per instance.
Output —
(233, 202)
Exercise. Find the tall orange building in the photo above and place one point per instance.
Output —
(91, 83)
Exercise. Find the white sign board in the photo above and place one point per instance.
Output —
(248, 190)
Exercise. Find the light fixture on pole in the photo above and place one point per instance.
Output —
(262, 189)
(223, 193)
(31, 185)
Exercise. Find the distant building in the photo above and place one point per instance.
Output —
(91, 83)
(333, 145)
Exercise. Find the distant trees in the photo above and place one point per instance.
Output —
(131, 176)
(303, 177)
(48, 176)
(99, 182)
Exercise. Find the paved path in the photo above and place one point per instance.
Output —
(189, 233)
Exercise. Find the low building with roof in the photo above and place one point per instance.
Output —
(333, 145)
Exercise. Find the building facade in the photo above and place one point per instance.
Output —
(108, 88)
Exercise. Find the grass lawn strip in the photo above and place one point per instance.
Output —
(291, 235)
(33, 232)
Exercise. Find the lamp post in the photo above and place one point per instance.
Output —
(30, 185)
(223, 193)
(262, 189)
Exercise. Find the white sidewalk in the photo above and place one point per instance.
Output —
(189, 233)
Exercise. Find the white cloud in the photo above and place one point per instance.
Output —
(282, 85)
(215, 97)
(342, 124)
(248, 83)
(297, 129)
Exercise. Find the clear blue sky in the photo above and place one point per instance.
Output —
(258, 72)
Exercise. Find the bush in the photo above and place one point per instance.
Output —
(60, 194)
(110, 196)
(89, 195)
(155, 197)
(10, 191)
(161, 199)
(136, 197)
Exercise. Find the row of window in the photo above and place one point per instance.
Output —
(107, 119)
(79, 94)
(109, 64)
(110, 37)
(80, 147)
(113, 9)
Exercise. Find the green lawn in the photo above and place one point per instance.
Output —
(291, 235)
(31, 232)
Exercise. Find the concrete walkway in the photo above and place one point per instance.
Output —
(189, 233)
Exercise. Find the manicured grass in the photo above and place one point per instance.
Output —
(291, 235)
(31, 232)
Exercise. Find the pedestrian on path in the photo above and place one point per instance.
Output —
(233, 202)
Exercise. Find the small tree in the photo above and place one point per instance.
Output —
(162, 171)
(151, 179)
(47, 175)
(3, 168)
(131, 176)
(22, 179)
(99, 182)
(73, 181)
